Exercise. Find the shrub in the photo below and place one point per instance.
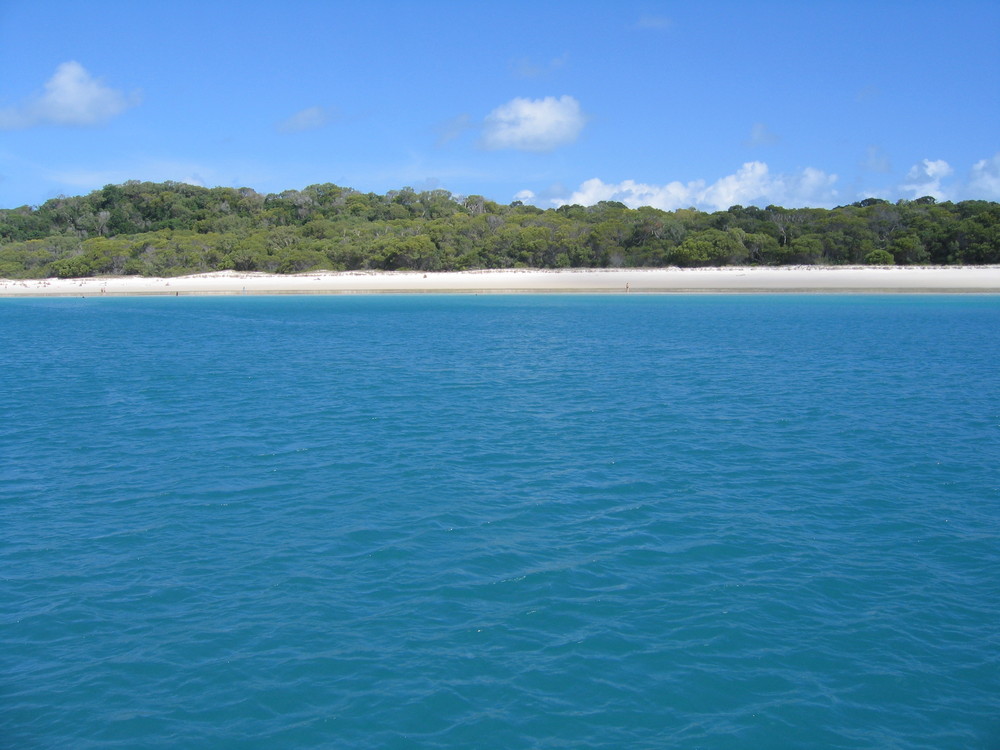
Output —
(880, 258)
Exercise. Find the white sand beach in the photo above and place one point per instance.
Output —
(979, 279)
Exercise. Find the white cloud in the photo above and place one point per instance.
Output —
(934, 170)
(749, 182)
(753, 183)
(310, 118)
(634, 194)
(72, 97)
(985, 182)
(533, 124)
(925, 178)
(760, 135)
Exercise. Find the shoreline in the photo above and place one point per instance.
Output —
(746, 280)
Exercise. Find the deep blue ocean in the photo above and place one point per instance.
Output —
(541, 521)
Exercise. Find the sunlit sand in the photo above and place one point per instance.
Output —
(984, 279)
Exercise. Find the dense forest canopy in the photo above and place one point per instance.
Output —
(170, 228)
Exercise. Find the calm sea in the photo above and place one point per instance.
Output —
(500, 522)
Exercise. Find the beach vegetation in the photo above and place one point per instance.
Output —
(170, 228)
(880, 258)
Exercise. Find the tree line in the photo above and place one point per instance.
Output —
(170, 229)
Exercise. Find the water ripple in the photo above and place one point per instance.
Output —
(500, 522)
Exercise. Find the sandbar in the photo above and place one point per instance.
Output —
(844, 279)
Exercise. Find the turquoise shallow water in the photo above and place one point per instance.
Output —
(500, 522)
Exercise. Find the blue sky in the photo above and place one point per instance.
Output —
(652, 103)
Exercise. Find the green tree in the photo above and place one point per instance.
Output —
(879, 258)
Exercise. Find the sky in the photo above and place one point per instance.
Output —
(667, 104)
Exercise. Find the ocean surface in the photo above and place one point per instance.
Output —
(545, 521)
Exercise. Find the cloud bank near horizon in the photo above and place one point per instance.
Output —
(755, 184)
(752, 183)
